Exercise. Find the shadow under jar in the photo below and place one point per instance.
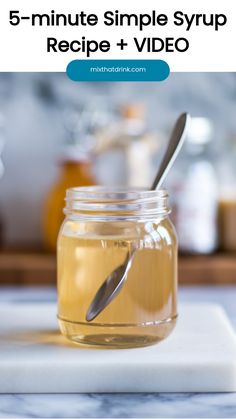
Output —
(101, 226)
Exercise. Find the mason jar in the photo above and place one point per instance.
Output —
(102, 227)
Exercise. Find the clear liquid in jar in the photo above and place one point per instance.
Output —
(144, 312)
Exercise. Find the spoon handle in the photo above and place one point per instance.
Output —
(176, 141)
(115, 281)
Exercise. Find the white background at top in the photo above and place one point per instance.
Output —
(23, 48)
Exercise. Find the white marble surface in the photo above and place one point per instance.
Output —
(200, 355)
(151, 405)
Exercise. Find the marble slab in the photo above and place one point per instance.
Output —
(199, 356)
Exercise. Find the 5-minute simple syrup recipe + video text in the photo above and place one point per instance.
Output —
(118, 19)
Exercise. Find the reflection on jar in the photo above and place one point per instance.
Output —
(100, 228)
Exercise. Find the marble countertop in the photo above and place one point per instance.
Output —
(171, 405)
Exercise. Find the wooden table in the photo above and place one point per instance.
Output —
(38, 268)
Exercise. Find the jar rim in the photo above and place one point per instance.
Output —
(123, 193)
(115, 202)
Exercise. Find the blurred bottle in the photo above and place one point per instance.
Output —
(2, 138)
(227, 200)
(76, 169)
(140, 147)
(1, 170)
(194, 189)
(133, 143)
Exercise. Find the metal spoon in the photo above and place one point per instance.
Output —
(115, 281)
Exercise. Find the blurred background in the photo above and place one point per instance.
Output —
(55, 134)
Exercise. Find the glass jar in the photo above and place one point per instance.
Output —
(101, 227)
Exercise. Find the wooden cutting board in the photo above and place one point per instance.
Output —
(199, 356)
